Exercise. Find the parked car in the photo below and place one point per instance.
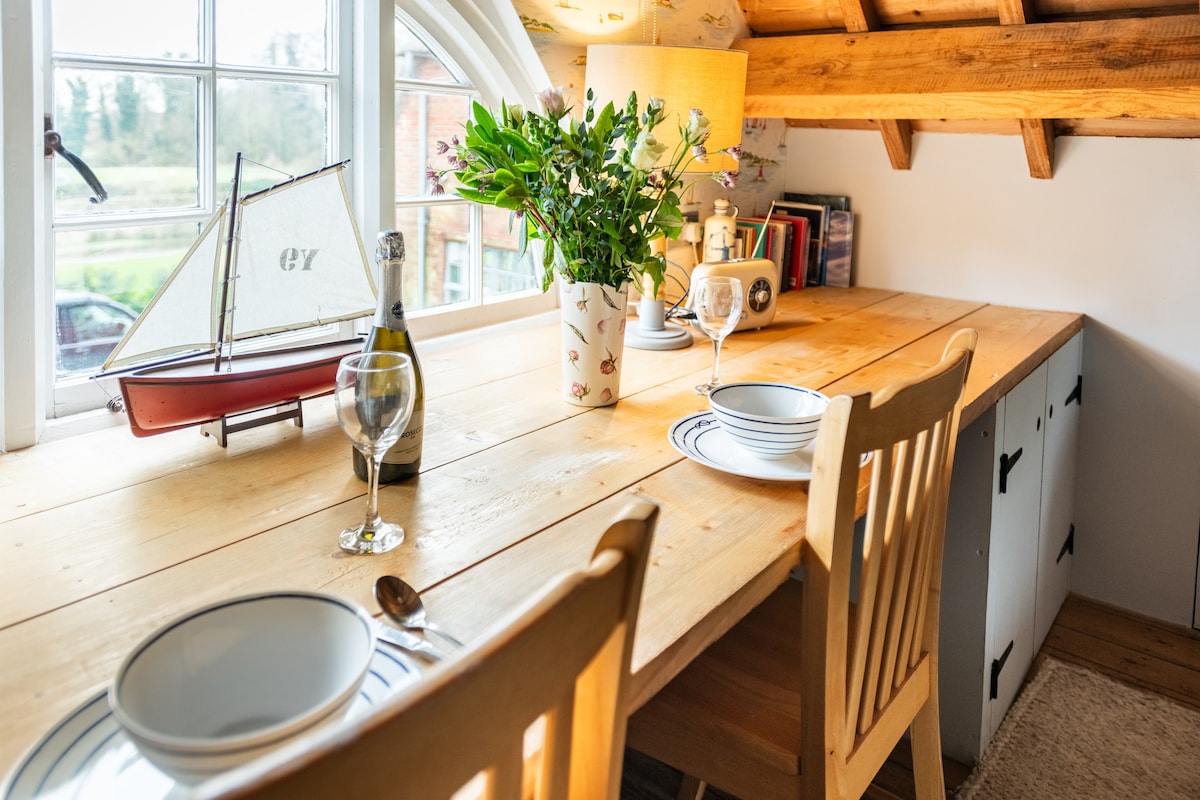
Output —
(89, 327)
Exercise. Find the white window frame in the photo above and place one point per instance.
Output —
(482, 37)
(485, 41)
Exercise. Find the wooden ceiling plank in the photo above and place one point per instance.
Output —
(1093, 69)
(766, 17)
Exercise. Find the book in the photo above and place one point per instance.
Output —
(795, 263)
(816, 216)
(840, 248)
(775, 246)
(838, 202)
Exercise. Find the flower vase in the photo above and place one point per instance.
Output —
(593, 341)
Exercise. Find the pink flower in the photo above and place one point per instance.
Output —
(573, 356)
(579, 390)
(609, 365)
(606, 396)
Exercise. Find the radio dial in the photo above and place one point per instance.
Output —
(759, 299)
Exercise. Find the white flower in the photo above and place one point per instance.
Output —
(646, 151)
(654, 110)
(699, 127)
(552, 102)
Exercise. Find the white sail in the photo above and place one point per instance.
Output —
(181, 318)
(298, 262)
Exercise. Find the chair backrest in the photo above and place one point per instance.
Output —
(870, 665)
(559, 668)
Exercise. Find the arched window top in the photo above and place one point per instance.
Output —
(478, 43)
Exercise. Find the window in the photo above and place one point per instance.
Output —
(159, 119)
(158, 107)
(459, 254)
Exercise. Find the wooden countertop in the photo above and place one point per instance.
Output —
(104, 536)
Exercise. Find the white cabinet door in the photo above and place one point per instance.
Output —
(1012, 571)
(1063, 397)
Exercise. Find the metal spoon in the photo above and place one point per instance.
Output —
(403, 606)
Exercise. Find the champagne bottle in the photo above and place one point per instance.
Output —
(390, 332)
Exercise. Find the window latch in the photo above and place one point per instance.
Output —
(54, 145)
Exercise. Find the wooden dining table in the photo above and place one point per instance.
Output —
(105, 537)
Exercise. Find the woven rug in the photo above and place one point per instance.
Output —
(1074, 733)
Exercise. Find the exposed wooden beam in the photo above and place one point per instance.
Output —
(1127, 127)
(1087, 70)
(793, 16)
(1039, 146)
(860, 16)
(1038, 134)
(897, 138)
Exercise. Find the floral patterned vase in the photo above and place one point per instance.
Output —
(593, 341)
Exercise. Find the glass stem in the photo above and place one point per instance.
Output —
(372, 524)
(716, 358)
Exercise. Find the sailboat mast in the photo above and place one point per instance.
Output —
(228, 265)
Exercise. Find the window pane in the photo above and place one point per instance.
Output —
(106, 275)
(273, 33)
(505, 270)
(280, 125)
(422, 120)
(431, 233)
(137, 132)
(121, 29)
(415, 61)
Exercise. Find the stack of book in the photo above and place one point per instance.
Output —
(808, 236)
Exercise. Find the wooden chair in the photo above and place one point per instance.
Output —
(810, 692)
(564, 660)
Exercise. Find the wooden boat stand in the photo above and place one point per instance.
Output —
(220, 429)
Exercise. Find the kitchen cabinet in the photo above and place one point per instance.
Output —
(1009, 545)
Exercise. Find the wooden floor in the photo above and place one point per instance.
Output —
(1137, 650)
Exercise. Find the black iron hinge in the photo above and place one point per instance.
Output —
(1076, 393)
(1068, 545)
(1007, 462)
(997, 667)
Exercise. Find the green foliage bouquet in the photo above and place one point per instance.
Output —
(590, 188)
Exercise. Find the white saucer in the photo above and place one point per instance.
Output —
(88, 754)
(700, 438)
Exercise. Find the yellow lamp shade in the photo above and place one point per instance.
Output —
(684, 78)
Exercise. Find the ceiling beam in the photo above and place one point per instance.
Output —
(1038, 134)
(1148, 68)
(859, 16)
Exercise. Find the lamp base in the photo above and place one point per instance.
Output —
(651, 332)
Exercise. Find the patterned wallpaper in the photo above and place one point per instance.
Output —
(560, 31)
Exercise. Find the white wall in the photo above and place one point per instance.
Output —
(1115, 235)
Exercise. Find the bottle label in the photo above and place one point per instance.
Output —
(408, 448)
(392, 317)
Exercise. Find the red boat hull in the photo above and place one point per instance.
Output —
(173, 396)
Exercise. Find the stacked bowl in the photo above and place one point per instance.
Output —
(769, 420)
(233, 680)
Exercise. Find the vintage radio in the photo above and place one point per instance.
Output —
(760, 283)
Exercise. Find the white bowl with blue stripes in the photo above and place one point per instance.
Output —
(232, 680)
(770, 420)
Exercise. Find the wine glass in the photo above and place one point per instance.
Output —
(374, 398)
(717, 304)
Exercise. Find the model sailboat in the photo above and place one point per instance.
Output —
(282, 259)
